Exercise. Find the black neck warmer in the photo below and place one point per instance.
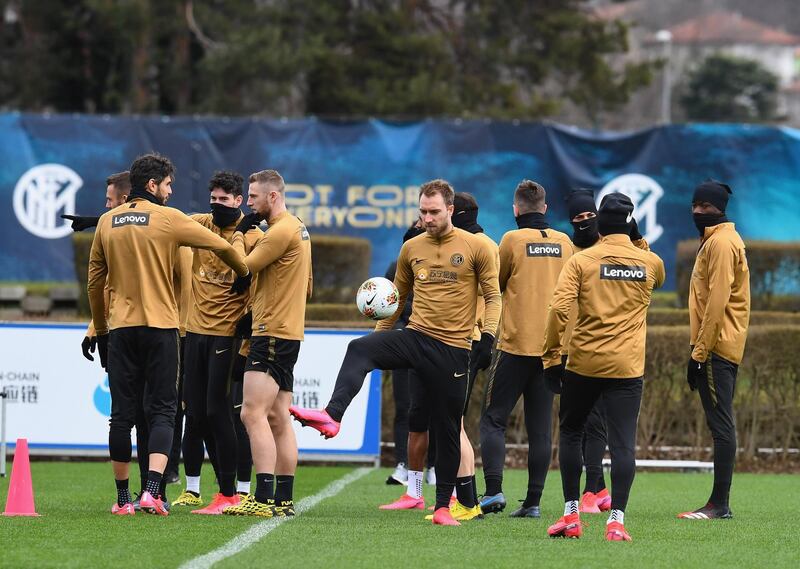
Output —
(532, 220)
(223, 216)
(144, 195)
(703, 220)
(585, 233)
(467, 220)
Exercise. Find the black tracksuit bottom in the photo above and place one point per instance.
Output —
(716, 394)
(142, 372)
(439, 391)
(622, 399)
(512, 376)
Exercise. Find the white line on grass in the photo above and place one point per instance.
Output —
(256, 532)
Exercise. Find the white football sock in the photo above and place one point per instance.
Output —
(616, 516)
(414, 483)
(243, 487)
(193, 484)
(570, 507)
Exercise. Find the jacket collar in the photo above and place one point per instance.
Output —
(709, 231)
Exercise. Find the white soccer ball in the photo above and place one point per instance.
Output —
(377, 298)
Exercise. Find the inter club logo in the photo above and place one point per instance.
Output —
(41, 195)
(644, 192)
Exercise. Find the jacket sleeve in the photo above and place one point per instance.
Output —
(505, 253)
(558, 313)
(189, 233)
(404, 281)
(721, 264)
(98, 273)
(267, 250)
(184, 277)
(486, 260)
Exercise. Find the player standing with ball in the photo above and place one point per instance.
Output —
(444, 268)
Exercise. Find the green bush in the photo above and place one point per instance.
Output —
(340, 265)
(767, 401)
(680, 317)
(774, 273)
(336, 316)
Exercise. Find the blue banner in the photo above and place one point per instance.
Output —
(361, 178)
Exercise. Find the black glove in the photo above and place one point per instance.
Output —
(634, 233)
(81, 222)
(102, 349)
(241, 284)
(695, 372)
(248, 222)
(552, 377)
(244, 327)
(88, 344)
(483, 350)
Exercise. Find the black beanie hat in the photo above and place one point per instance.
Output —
(579, 201)
(714, 192)
(614, 215)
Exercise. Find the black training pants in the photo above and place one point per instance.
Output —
(512, 376)
(402, 403)
(442, 383)
(622, 398)
(716, 394)
(594, 447)
(142, 361)
(207, 393)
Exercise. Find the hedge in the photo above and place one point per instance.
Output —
(340, 265)
(767, 401)
(774, 273)
(680, 317)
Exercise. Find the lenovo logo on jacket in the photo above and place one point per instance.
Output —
(623, 273)
(122, 219)
(543, 249)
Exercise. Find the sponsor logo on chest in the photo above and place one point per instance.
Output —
(623, 273)
(122, 219)
(543, 249)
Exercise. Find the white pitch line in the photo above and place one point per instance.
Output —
(256, 532)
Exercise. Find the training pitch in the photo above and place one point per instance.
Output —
(342, 527)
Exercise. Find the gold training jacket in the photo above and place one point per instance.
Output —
(719, 295)
(136, 247)
(612, 283)
(282, 277)
(215, 311)
(444, 274)
(480, 310)
(530, 262)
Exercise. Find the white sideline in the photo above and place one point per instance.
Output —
(256, 532)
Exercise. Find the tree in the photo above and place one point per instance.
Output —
(730, 89)
(389, 58)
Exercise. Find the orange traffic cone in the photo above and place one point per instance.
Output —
(20, 491)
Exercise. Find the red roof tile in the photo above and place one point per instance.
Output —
(729, 27)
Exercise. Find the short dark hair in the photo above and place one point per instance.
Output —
(440, 187)
(151, 166)
(529, 196)
(227, 181)
(268, 177)
(121, 182)
(464, 201)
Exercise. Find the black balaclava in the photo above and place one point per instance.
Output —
(223, 216)
(716, 193)
(584, 233)
(614, 215)
(465, 215)
(412, 232)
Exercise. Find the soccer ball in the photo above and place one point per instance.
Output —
(377, 298)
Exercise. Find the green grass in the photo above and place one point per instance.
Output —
(349, 531)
